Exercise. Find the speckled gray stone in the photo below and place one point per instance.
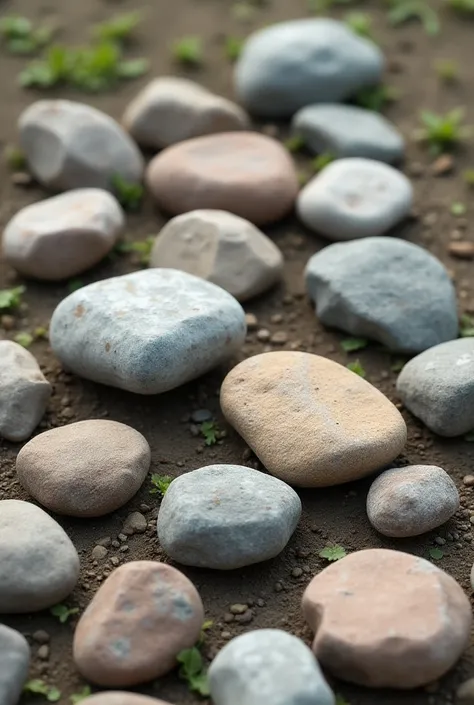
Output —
(412, 500)
(268, 666)
(147, 332)
(438, 387)
(385, 289)
(14, 663)
(227, 516)
(289, 65)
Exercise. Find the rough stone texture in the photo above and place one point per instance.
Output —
(355, 198)
(289, 65)
(135, 523)
(222, 248)
(301, 415)
(73, 145)
(226, 516)
(84, 469)
(438, 387)
(245, 173)
(386, 619)
(117, 697)
(24, 392)
(267, 666)
(171, 109)
(14, 664)
(412, 500)
(64, 235)
(40, 565)
(147, 332)
(142, 616)
(386, 289)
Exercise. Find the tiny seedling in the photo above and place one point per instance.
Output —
(36, 686)
(40, 333)
(402, 11)
(118, 29)
(11, 298)
(466, 326)
(321, 161)
(74, 284)
(141, 247)
(360, 23)
(193, 672)
(353, 344)
(333, 553)
(244, 11)
(356, 367)
(24, 339)
(20, 36)
(209, 431)
(79, 697)
(447, 70)
(436, 553)
(376, 97)
(294, 144)
(188, 51)
(233, 48)
(15, 158)
(205, 628)
(160, 484)
(468, 176)
(62, 612)
(443, 132)
(458, 209)
(465, 7)
(129, 194)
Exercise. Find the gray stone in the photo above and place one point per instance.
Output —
(40, 565)
(412, 500)
(289, 65)
(438, 387)
(348, 131)
(268, 666)
(147, 332)
(73, 145)
(355, 198)
(24, 392)
(201, 415)
(14, 664)
(386, 289)
(135, 523)
(226, 516)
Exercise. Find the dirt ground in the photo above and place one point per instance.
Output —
(329, 516)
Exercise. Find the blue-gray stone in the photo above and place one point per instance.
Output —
(385, 289)
(226, 517)
(147, 332)
(14, 663)
(289, 65)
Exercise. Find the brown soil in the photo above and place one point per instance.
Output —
(330, 516)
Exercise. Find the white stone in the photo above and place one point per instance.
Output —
(14, 663)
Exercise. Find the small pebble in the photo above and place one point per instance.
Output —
(14, 664)
(135, 523)
(468, 480)
(201, 415)
(41, 637)
(238, 608)
(43, 652)
(442, 165)
(251, 321)
(279, 338)
(99, 553)
(461, 249)
(263, 335)
(116, 697)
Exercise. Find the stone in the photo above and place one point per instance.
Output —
(438, 387)
(301, 415)
(138, 621)
(289, 65)
(412, 500)
(171, 109)
(85, 469)
(24, 392)
(72, 145)
(387, 619)
(14, 664)
(348, 131)
(147, 332)
(99, 553)
(386, 289)
(40, 565)
(267, 666)
(222, 248)
(463, 249)
(63, 236)
(245, 173)
(465, 693)
(355, 198)
(226, 517)
(117, 697)
(135, 523)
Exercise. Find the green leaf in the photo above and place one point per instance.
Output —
(53, 695)
(376, 97)
(436, 553)
(36, 685)
(340, 700)
(15, 158)
(129, 194)
(62, 612)
(119, 28)
(233, 47)
(78, 697)
(458, 208)
(360, 23)
(11, 298)
(74, 284)
(191, 661)
(24, 339)
(404, 10)
(161, 484)
(333, 553)
(209, 430)
(353, 344)
(466, 326)
(200, 684)
(356, 367)
(188, 50)
(133, 68)
(322, 161)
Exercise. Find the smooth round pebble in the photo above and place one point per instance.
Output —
(245, 173)
(84, 469)
(118, 697)
(387, 619)
(40, 565)
(138, 621)
(412, 500)
(355, 198)
(63, 236)
(226, 517)
(14, 664)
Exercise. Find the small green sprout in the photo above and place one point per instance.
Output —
(209, 431)
(340, 700)
(188, 51)
(62, 612)
(447, 70)
(376, 97)
(356, 367)
(40, 333)
(468, 176)
(463, 6)
(443, 132)
(118, 29)
(24, 339)
(397, 365)
(333, 553)
(322, 161)
(36, 686)
(458, 209)
(15, 158)
(466, 326)
(20, 36)
(402, 11)
(436, 553)
(141, 247)
(244, 11)
(160, 484)
(353, 344)
(360, 23)
(205, 628)
(11, 298)
(79, 697)
(233, 48)
(193, 672)
(129, 194)
(74, 284)
(294, 144)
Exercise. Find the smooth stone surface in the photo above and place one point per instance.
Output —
(222, 248)
(355, 198)
(267, 666)
(14, 664)
(119, 697)
(24, 392)
(289, 65)
(386, 619)
(301, 415)
(84, 469)
(226, 516)
(141, 617)
(147, 332)
(40, 565)
(245, 173)
(64, 235)
(171, 109)
(438, 387)
(385, 289)
(73, 145)
(412, 500)
(348, 131)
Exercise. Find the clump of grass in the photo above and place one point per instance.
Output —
(233, 48)
(354, 344)
(210, 432)
(443, 132)
(128, 194)
(356, 367)
(333, 553)
(466, 326)
(141, 247)
(118, 29)
(15, 158)
(160, 484)
(447, 70)
(37, 686)
(376, 97)
(62, 612)
(188, 51)
(24, 339)
(360, 23)
(20, 36)
(321, 161)
(465, 7)
(11, 298)
(294, 144)
(193, 671)
(402, 11)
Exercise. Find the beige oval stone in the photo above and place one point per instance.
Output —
(119, 697)
(386, 619)
(311, 421)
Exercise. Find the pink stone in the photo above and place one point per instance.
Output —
(116, 697)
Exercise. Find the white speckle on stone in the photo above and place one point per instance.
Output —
(14, 663)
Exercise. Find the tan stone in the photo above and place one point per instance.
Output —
(118, 697)
(311, 421)
(387, 619)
